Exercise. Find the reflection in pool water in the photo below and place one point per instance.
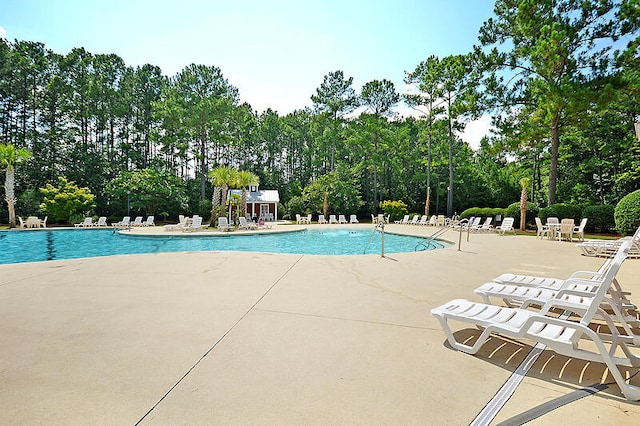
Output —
(34, 246)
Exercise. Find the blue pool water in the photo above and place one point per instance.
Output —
(35, 246)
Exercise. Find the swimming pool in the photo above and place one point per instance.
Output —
(36, 246)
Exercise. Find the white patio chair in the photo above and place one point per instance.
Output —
(579, 230)
(353, 219)
(342, 219)
(321, 219)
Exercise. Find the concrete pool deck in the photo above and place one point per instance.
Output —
(253, 338)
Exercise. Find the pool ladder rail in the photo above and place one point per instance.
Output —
(427, 243)
(379, 228)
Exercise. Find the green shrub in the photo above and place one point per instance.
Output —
(600, 218)
(482, 212)
(66, 200)
(627, 213)
(561, 211)
(514, 211)
(397, 209)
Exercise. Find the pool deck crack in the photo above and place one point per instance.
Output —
(215, 344)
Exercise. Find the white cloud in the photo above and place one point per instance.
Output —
(476, 130)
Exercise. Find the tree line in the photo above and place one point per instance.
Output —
(559, 79)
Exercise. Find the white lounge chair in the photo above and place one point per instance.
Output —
(563, 336)
(137, 221)
(244, 224)
(44, 222)
(486, 226)
(423, 220)
(149, 221)
(433, 220)
(506, 226)
(404, 220)
(88, 222)
(182, 223)
(321, 219)
(332, 218)
(126, 221)
(353, 219)
(441, 220)
(342, 219)
(195, 225)
(223, 224)
(579, 230)
(415, 220)
(525, 291)
(298, 219)
(102, 221)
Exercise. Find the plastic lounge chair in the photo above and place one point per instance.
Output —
(85, 224)
(137, 221)
(542, 230)
(298, 219)
(178, 226)
(353, 219)
(441, 220)
(579, 230)
(332, 218)
(524, 291)
(244, 224)
(321, 219)
(44, 222)
(342, 219)
(423, 220)
(22, 224)
(404, 220)
(102, 221)
(196, 224)
(561, 335)
(433, 220)
(608, 248)
(486, 226)
(149, 221)
(506, 226)
(415, 220)
(125, 222)
(223, 224)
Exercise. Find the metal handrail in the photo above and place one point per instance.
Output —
(428, 241)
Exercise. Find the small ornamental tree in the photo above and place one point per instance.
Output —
(65, 200)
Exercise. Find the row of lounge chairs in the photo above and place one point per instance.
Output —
(186, 224)
(126, 222)
(89, 223)
(587, 316)
(340, 220)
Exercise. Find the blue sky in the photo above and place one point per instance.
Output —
(276, 52)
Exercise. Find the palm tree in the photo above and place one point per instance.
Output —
(222, 178)
(10, 157)
(244, 179)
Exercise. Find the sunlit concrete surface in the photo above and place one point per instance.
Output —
(252, 338)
